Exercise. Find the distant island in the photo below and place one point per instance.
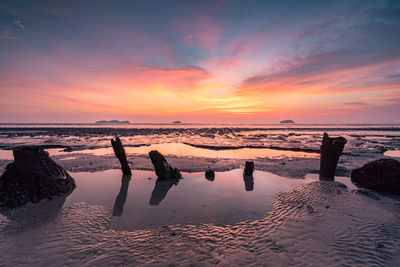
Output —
(176, 122)
(111, 122)
(287, 121)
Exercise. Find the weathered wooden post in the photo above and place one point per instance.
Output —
(163, 170)
(331, 149)
(120, 154)
(249, 168)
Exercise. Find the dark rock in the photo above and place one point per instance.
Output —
(163, 170)
(119, 152)
(249, 168)
(331, 150)
(31, 177)
(210, 175)
(381, 175)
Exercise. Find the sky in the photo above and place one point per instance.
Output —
(225, 61)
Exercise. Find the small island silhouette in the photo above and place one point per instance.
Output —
(287, 121)
(111, 122)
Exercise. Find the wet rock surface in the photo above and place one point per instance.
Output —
(381, 175)
(31, 177)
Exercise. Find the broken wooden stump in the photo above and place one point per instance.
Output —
(163, 170)
(249, 168)
(331, 149)
(120, 154)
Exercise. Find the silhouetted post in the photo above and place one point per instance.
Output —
(163, 170)
(249, 168)
(120, 154)
(331, 149)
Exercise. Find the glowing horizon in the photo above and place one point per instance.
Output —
(214, 61)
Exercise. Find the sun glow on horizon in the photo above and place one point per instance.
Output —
(200, 62)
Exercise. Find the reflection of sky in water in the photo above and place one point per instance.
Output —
(8, 154)
(184, 150)
(194, 200)
(392, 153)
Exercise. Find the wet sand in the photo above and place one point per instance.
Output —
(288, 218)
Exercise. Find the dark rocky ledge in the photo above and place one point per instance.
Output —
(381, 175)
(31, 177)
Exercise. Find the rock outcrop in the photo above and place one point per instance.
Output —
(31, 177)
(331, 150)
(381, 175)
(163, 170)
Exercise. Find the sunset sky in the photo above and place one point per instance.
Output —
(200, 61)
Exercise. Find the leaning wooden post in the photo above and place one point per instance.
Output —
(120, 154)
(331, 149)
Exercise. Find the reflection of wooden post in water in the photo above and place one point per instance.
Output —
(121, 198)
(331, 149)
(248, 182)
(248, 176)
(120, 154)
(160, 190)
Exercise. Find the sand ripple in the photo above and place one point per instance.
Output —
(317, 224)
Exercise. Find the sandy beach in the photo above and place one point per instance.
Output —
(284, 217)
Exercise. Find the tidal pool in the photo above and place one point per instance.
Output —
(142, 201)
(115, 220)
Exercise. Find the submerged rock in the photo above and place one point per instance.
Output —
(210, 175)
(381, 175)
(31, 177)
(163, 170)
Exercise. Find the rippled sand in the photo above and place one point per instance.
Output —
(313, 224)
